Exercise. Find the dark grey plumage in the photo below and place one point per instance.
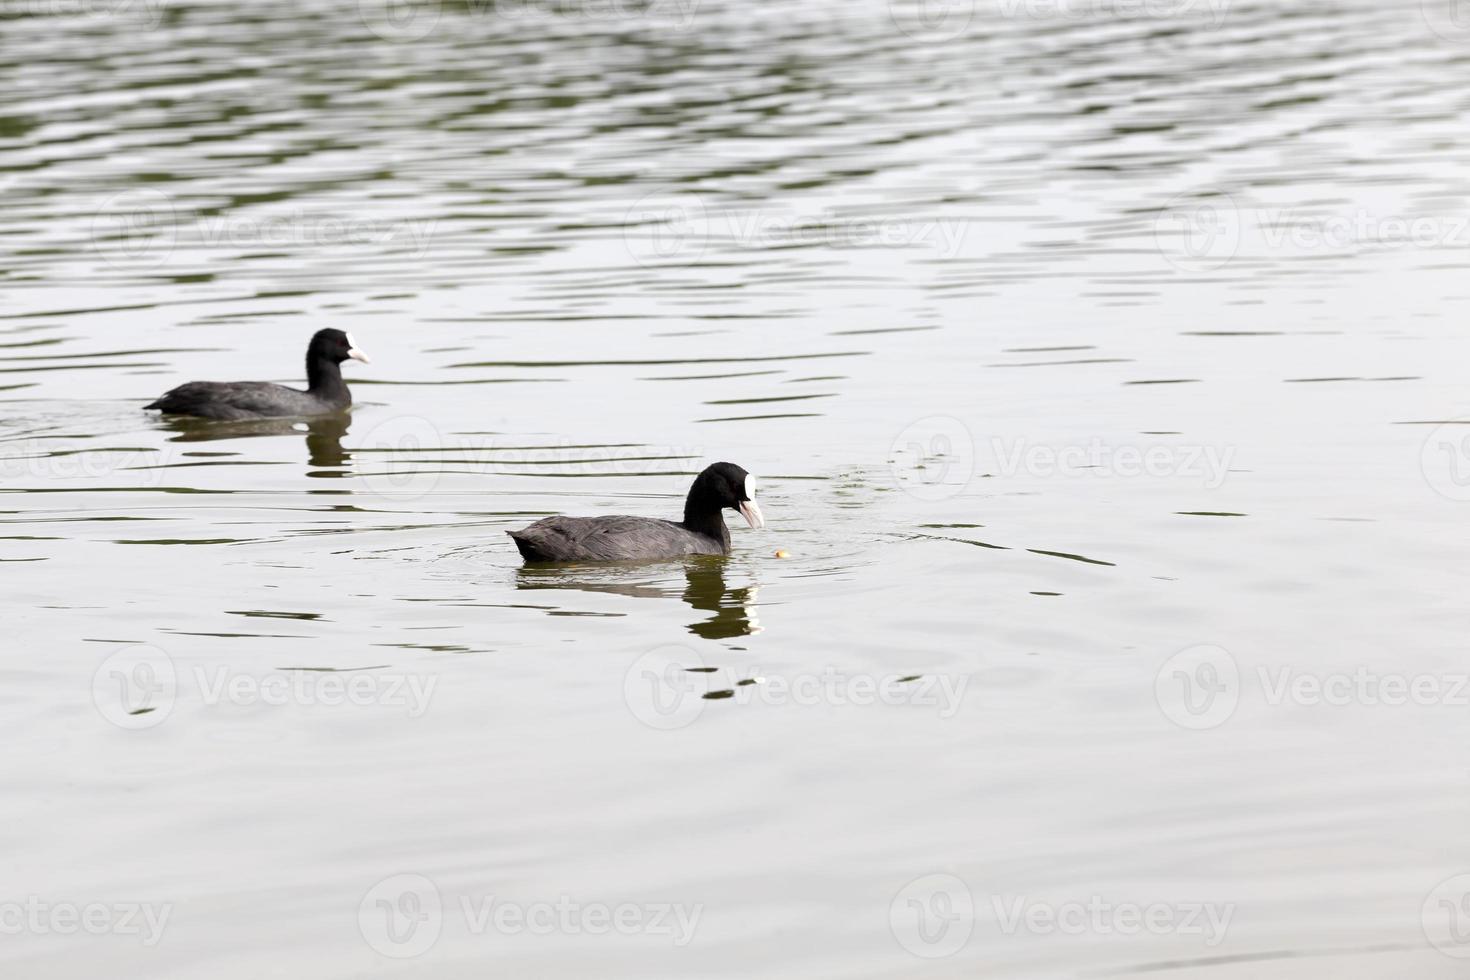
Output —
(620, 538)
(612, 539)
(325, 393)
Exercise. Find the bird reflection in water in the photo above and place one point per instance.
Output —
(324, 452)
(734, 609)
(705, 590)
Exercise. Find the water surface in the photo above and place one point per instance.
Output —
(1095, 361)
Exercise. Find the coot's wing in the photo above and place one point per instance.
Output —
(233, 400)
(614, 538)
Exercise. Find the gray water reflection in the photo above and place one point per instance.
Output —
(323, 437)
(732, 609)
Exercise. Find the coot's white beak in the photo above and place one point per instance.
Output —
(748, 508)
(354, 353)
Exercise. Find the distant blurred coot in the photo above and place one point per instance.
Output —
(702, 532)
(325, 392)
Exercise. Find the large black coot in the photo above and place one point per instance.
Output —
(325, 392)
(702, 532)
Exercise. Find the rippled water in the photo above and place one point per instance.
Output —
(1101, 362)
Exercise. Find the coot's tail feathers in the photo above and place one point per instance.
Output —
(194, 398)
(170, 401)
(527, 546)
(555, 539)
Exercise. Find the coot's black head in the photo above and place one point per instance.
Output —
(334, 347)
(724, 485)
